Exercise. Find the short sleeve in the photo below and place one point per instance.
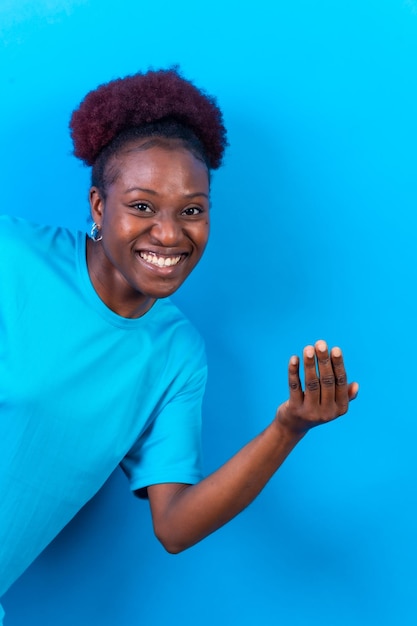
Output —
(169, 450)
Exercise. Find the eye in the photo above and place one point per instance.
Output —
(192, 210)
(142, 207)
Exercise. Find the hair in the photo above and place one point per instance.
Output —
(156, 104)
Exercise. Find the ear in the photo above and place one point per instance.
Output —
(96, 205)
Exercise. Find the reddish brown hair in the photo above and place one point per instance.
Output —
(141, 100)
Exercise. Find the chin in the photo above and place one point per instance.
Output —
(159, 294)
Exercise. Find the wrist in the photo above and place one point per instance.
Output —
(289, 427)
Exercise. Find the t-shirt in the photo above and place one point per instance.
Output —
(82, 390)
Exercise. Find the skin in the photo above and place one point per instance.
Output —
(166, 213)
(184, 514)
(158, 205)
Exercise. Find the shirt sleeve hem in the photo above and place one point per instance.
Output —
(145, 481)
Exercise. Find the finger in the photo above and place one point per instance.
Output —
(327, 381)
(353, 390)
(312, 382)
(294, 382)
(341, 385)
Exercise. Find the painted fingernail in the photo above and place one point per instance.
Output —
(336, 352)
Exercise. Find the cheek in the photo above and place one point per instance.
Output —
(119, 228)
(202, 234)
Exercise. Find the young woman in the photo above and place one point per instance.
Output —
(98, 367)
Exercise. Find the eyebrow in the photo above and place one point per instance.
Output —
(155, 193)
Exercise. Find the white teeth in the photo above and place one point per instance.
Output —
(160, 261)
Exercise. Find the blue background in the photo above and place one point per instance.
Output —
(313, 235)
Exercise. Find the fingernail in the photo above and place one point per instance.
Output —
(337, 352)
(293, 360)
(321, 346)
(309, 352)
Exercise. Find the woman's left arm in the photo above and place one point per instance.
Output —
(184, 514)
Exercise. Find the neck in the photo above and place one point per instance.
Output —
(113, 289)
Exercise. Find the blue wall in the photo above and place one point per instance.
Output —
(314, 235)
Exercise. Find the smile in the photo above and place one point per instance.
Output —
(160, 261)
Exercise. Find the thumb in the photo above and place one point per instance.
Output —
(353, 390)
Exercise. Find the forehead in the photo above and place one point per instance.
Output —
(162, 161)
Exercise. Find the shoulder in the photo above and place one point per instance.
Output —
(13, 228)
(182, 341)
(18, 234)
(179, 323)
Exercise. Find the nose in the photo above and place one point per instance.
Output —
(166, 231)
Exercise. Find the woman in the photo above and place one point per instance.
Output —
(98, 367)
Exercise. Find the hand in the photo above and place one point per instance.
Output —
(327, 393)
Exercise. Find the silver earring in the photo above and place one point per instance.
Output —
(95, 233)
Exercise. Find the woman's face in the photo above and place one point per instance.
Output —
(154, 222)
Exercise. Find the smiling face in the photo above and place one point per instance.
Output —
(154, 222)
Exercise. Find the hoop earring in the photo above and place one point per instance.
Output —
(95, 233)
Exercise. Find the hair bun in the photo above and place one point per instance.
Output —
(141, 99)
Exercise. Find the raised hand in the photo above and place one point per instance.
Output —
(326, 395)
(183, 514)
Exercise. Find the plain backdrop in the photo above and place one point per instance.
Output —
(313, 236)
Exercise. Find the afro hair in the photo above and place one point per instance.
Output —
(142, 99)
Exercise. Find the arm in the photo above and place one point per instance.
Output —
(184, 514)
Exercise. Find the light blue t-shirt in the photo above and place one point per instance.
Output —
(82, 390)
